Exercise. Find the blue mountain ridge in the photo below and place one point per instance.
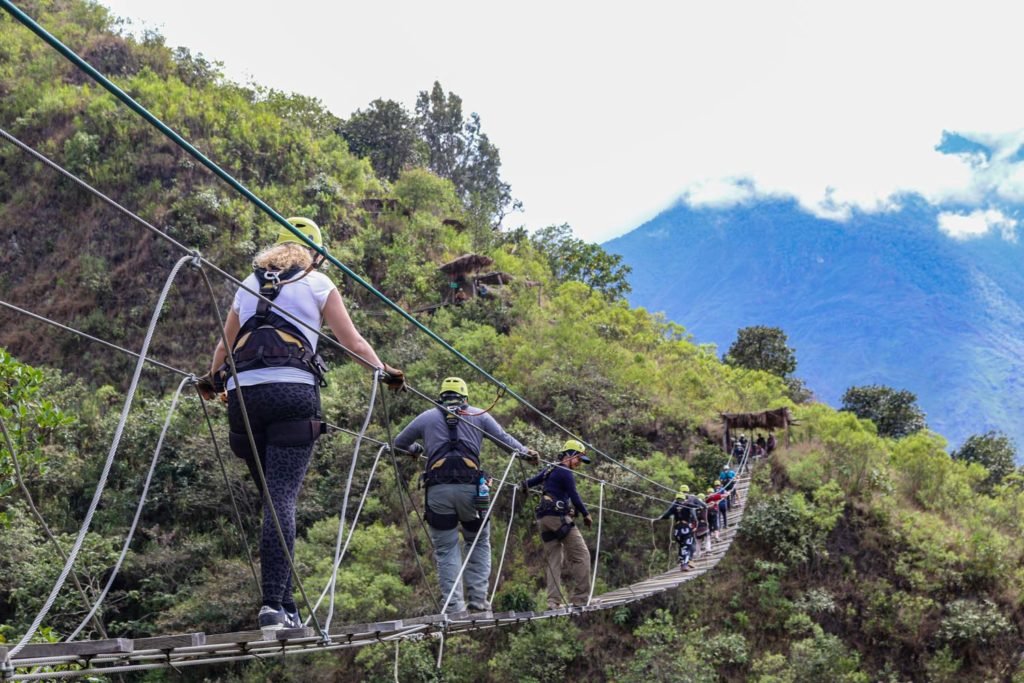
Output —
(883, 298)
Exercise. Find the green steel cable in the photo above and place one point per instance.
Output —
(71, 56)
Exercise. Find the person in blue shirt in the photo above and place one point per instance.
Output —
(563, 543)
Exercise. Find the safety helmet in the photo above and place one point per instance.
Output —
(711, 490)
(306, 227)
(684, 491)
(574, 447)
(454, 385)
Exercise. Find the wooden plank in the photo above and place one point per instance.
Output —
(432, 618)
(78, 648)
(170, 642)
(236, 638)
(294, 633)
(372, 627)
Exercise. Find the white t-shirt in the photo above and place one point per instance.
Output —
(305, 300)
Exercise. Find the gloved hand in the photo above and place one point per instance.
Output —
(414, 450)
(588, 520)
(393, 378)
(209, 388)
(531, 456)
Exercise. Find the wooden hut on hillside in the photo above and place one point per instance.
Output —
(769, 420)
(464, 280)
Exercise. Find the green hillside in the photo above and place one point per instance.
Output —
(860, 558)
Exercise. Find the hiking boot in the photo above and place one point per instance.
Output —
(684, 566)
(271, 619)
(479, 607)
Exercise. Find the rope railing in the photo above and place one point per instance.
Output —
(108, 463)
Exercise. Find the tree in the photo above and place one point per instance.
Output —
(573, 259)
(895, 413)
(762, 348)
(995, 451)
(386, 134)
(460, 151)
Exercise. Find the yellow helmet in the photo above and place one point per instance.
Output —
(574, 446)
(455, 385)
(306, 227)
(684, 491)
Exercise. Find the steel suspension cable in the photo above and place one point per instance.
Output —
(101, 485)
(75, 59)
(123, 350)
(597, 551)
(231, 495)
(42, 522)
(351, 532)
(504, 545)
(403, 491)
(504, 446)
(138, 513)
(162, 234)
(344, 500)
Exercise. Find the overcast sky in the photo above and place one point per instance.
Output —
(605, 115)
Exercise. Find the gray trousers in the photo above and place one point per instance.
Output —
(456, 501)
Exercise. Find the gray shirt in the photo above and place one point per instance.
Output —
(432, 428)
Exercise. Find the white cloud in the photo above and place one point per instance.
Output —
(961, 226)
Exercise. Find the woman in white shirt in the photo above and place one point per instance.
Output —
(280, 374)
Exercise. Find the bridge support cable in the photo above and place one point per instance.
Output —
(185, 250)
(403, 491)
(504, 545)
(101, 484)
(138, 512)
(42, 522)
(72, 330)
(80, 63)
(231, 494)
(344, 501)
(476, 537)
(258, 466)
(597, 551)
(340, 554)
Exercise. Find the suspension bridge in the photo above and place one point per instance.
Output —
(27, 660)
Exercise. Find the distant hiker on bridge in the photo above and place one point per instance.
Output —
(457, 488)
(279, 373)
(560, 504)
(686, 511)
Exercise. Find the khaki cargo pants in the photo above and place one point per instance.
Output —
(573, 549)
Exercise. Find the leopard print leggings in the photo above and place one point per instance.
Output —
(284, 468)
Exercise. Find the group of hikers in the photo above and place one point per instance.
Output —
(267, 369)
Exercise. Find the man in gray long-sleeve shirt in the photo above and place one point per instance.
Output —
(451, 435)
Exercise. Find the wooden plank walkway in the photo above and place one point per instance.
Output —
(110, 656)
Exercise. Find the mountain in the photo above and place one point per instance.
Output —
(882, 298)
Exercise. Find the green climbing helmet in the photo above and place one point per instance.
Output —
(306, 227)
(454, 385)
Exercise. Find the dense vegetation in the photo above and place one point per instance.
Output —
(864, 555)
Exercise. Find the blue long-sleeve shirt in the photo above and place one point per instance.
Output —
(559, 484)
(432, 428)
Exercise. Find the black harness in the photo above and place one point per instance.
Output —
(455, 462)
(268, 340)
